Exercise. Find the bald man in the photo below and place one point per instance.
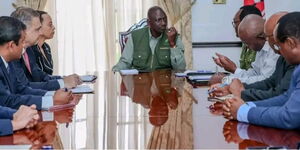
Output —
(281, 111)
(273, 86)
(247, 55)
(153, 47)
(251, 32)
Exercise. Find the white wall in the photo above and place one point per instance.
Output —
(212, 23)
(203, 57)
(6, 7)
(273, 6)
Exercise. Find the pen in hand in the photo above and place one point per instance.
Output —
(213, 89)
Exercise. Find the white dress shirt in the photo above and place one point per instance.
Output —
(262, 68)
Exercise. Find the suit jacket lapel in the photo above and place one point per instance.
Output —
(4, 70)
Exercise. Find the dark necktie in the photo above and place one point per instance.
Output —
(8, 68)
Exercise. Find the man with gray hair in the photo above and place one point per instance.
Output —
(27, 66)
(12, 92)
(251, 32)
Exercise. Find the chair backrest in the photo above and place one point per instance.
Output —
(123, 36)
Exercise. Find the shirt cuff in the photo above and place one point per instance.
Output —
(173, 53)
(47, 116)
(242, 129)
(50, 93)
(47, 102)
(237, 71)
(242, 114)
(251, 104)
(61, 83)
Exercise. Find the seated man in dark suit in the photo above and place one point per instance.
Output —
(13, 120)
(281, 111)
(12, 93)
(27, 64)
(273, 86)
(153, 47)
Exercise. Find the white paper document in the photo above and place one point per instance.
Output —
(129, 72)
(184, 74)
(88, 78)
(82, 89)
(15, 147)
(200, 77)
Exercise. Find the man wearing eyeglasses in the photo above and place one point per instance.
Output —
(281, 111)
(251, 32)
(273, 86)
(247, 55)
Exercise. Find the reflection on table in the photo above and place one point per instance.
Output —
(148, 110)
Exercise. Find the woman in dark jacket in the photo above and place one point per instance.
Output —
(43, 51)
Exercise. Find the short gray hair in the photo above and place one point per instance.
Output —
(25, 14)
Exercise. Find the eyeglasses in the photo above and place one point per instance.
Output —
(276, 47)
(235, 22)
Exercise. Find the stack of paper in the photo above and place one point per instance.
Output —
(129, 72)
(200, 77)
(184, 74)
(15, 146)
(82, 89)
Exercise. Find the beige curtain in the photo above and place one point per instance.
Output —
(91, 32)
(34, 4)
(179, 16)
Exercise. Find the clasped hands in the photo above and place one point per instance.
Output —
(231, 105)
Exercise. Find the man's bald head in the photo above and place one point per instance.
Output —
(251, 31)
(270, 26)
(152, 11)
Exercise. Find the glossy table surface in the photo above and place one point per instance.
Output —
(149, 110)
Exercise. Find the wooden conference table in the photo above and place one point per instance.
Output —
(149, 110)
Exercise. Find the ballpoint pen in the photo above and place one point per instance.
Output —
(220, 86)
(67, 124)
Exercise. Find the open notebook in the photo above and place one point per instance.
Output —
(129, 72)
(82, 89)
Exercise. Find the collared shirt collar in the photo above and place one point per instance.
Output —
(266, 47)
(153, 38)
(5, 63)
